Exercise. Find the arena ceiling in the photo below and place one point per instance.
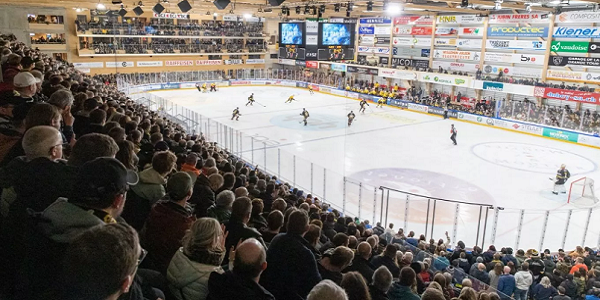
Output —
(359, 8)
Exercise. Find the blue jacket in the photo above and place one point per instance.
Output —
(401, 292)
(542, 293)
(441, 263)
(506, 286)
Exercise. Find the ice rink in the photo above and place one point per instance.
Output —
(411, 152)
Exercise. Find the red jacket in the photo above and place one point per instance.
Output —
(164, 229)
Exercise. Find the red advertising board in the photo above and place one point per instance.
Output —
(567, 95)
(312, 64)
(413, 20)
(421, 31)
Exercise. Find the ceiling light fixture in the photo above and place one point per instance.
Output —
(394, 9)
(100, 6)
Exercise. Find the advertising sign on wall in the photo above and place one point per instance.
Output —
(382, 40)
(403, 51)
(469, 43)
(576, 32)
(516, 44)
(533, 31)
(171, 16)
(374, 50)
(493, 86)
(565, 46)
(312, 64)
(574, 61)
(578, 17)
(454, 54)
(518, 18)
(409, 41)
(573, 76)
(208, 62)
(568, 95)
(366, 30)
(149, 63)
(561, 135)
(478, 31)
(441, 42)
(445, 79)
(366, 40)
(179, 63)
(421, 31)
(88, 65)
(362, 70)
(455, 66)
(398, 74)
(446, 31)
(383, 30)
(513, 71)
(338, 67)
(119, 64)
(514, 58)
(413, 20)
(460, 19)
(375, 21)
(251, 61)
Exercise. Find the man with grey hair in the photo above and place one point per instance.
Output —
(63, 100)
(382, 281)
(221, 210)
(242, 282)
(327, 289)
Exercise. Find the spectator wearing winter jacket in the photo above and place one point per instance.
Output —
(543, 290)
(506, 284)
(523, 280)
(481, 274)
(509, 257)
(570, 287)
(561, 294)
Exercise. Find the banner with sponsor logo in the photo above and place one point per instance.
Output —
(576, 32)
(574, 61)
(574, 76)
(366, 40)
(252, 61)
(566, 46)
(119, 64)
(407, 62)
(567, 95)
(454, 54)
(413, 20)
(338, 67)
(446, 79)
(300, 63)
(446, 31)
(179, 63)
(518, 18)
(149, 63)
(382, 41)
(170, 16)
(441, 42)
(578, 17)
(409, 41)
(209, 62)
(362, 70)
(366, 30)
(513, 58)
(513, 71)
(88, 65)
(403, 51)
(383, 30)
(375, 21)
(288, 62)
(516, 44)
(398, 74)
(561, 134)
(469, 43)
(374, 50)
(421, 31)
(235, 62)
(418, 107)
(402, 30)
(478, 31)
(589, 140)
(460, 19)
(312, 64)
(455, 66)
(493, 86)
(440, 112)
(533, 31)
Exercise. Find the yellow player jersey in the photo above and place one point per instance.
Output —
(291, 98)
(396, 88)
(376, 85)
(347, 88)
(213, 85)
(204, 86)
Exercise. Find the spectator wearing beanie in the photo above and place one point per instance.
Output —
(221, 210)
(168, 222)
(149, 190)
(97, 120)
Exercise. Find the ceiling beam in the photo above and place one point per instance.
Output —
(441, 8)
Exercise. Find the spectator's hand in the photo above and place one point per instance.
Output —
(67, 116)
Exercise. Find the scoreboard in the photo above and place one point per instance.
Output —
(332, 53)
(292, 52)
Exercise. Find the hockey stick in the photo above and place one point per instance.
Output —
(260, 104)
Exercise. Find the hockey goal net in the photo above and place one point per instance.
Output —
(582, 192)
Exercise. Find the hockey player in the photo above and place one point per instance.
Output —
(305, 115)
(290, 99)
(310, 90)
(363, 102)
(250, 100)
(381, 102)
(562, 175)
(213, 87)
(204, 87)
(236, 114)
(351, 117)
(453, 133)
(198, 87)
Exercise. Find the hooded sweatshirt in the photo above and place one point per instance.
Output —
(150, 186)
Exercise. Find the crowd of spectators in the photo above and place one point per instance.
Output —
(51, 40)
(174, 45)
(103, 198)
(42, 19)
(156, 27)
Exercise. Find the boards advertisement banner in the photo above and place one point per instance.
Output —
(568, 46)
(455, 66)
(516, 44)
(413, 20)
(576, 32)
(533, 31)
(383, 30)
(446, 31)
(89, 65)
(469, 43)
(454, 54)
(441, 42)
(477, 31)
(560, 134)
(446, 79)
(149, 63)
(179, 63)
(408, 62)
(382, 41)
(460, 19)
(375, 21)
(312, 64)
(252, 61)
(514, 58)
(493, 86)
(518, 18)
(366, 40)
(410, 41)
(574, 76)
(421, 31)
(568, 95)
(574, 61)
(119, 64)
(398, 74)
(578, 17)
(366, 30)
(362, 70)
(374, 50)
(513, 71)
(416, 52)
(338, 67)
(209, 62)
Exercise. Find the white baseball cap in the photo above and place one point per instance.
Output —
(25, 79)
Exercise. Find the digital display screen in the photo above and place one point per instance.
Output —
(291, 33)
(337, 34)
(150, 30)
